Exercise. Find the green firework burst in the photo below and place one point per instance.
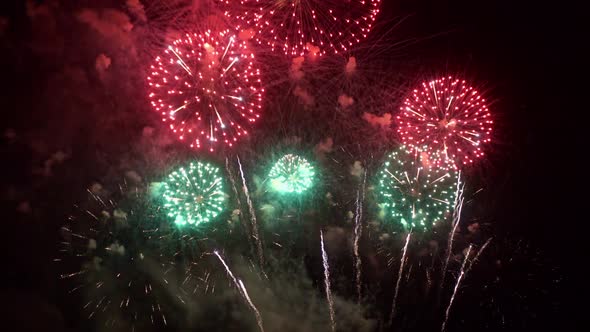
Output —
(291, 174)
(194, 195)
(413, 192)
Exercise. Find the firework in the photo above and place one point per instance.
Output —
(446, 115)
(195, 195)
(462, 274)
(327, 282)
(459, 199)
(358, 228)
(207, 88)
(291, 174)
(252, 216)
(243, 291)
(415, 193)
(297, 27)
(117, 256)
(399, 278)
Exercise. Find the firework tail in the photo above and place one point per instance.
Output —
(236, 194)
(327, 282)
(243, 292)
(474, 260)
(252, 306)
(462, 275)
(358, 228)
(399, 277)
(255, 234)
(456, 221)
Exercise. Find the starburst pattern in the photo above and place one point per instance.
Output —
(194, 195)
(291, 174)
(207, 88)
(299, 26)
(413, 192)
(448, 116)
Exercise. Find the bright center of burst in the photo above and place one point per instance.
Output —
(446, 124)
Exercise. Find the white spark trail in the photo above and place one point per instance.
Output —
(327, 282)
(358, 228)
(456, 220)
(231, 64)
(231, 40)
(243, 292)
(218, 117)
(462, 275)
(180, 61)
(235, 189)
(252, 306)
(252, 217)
(474, 260)
(399, 277)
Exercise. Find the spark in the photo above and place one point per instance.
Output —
(462, 274)
(230, 65)
(237, 196)
(474, 260)
(399, 277)
(252, 216)
(242, 289)
(358, 228)
(180, 61)
(327, 283)
(252, 306)
(456, 220)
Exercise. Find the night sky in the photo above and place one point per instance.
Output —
(67, 124)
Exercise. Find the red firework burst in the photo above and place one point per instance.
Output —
(207, 87)
(448, 116)
(299, 26)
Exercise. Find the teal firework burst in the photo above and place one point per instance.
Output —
(194, 195)
(291, 174)
(413, 191)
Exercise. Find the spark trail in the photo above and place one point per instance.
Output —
(456, 220)
(399, 277)
(252, 306)
(243, 292)
(327, 282)
(252, 217)
(358, 228)
(237, 195)
(462, 275)
(474, 260)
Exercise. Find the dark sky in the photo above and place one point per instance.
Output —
(524, 52)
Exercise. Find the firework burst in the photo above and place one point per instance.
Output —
(446, 115)
(116, 255)
(291, 174)
(415, 193)
(207, 88)
(298, 27)
(194, 195)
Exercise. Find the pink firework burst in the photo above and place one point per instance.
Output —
(300, 26)
(207, 88)
(447, 118)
